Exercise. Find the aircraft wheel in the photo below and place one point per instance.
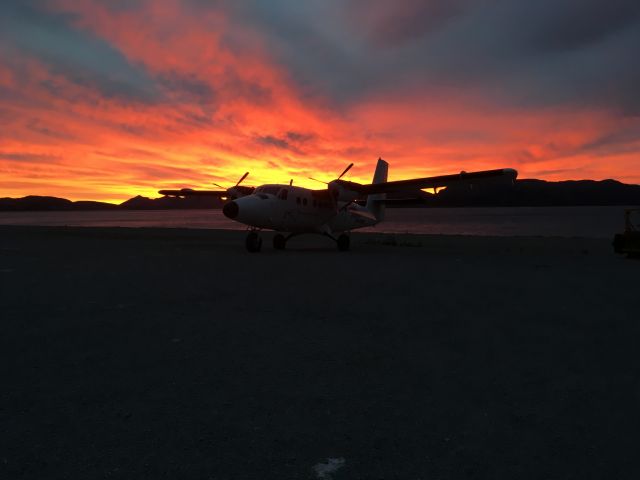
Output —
(279, 242)
(253, 242)
(343, 242)
(618, 243)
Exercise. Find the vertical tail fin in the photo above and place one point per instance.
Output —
(373, 204)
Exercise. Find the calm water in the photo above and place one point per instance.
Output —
(597, 222)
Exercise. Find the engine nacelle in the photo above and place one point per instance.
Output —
(344, 191)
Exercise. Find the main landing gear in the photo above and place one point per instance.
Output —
(254, 241)
(343, 242)
(279, 241)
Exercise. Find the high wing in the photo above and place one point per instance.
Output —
(188, 192)
(233, 192)
(499, 176)
(230, 193)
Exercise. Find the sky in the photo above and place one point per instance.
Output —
(104, 100)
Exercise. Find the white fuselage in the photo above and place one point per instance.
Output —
(286, 208)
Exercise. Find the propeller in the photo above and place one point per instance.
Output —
(339, 176)
(345, 171)
(234, 192)
(335, 189)
(316, 180)
(238, 183)
(242, 178)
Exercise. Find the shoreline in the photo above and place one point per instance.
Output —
(589, 222)
(228, 237)
(593, 222)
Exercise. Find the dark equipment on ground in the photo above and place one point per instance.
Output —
(629, 241)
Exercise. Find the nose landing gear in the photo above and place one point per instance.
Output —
(253, 242)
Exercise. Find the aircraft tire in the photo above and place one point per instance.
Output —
(279, 242)
(618, 243)
(253, 242)
(343, 242)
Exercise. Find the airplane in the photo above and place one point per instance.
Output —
(337, 210)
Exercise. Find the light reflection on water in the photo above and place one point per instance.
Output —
(597, 222)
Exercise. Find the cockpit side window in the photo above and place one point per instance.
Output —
(270, 190)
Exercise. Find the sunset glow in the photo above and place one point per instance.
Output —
(106, 100)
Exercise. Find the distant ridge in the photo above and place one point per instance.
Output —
(170, 203)
(35, 202)
(528, 192)
(540, 193)
(41, 203)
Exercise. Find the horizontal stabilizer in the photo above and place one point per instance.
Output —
(395, 202)
(362, 213)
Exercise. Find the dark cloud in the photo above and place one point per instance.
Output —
(299, 137)
(160, 171)
(291, 141)
(571, 172)
(624, 140)
(29, 29)
(28, 157)
(134, 130)
(567, 25)
(387, 24)
(38, 126)
(548, 52)
(306, 39)
(234, 87)
(281, 143)
(192, 119)
(186, 87)
(576, 53)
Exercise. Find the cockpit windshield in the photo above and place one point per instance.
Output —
(268, 190)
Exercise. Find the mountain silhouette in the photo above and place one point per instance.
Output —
(35, 202)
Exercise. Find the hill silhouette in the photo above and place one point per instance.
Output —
(528, 192)
(169, 203)
(44, 203)
(35, 202)
(532, 192)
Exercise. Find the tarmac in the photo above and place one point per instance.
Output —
(168, 353)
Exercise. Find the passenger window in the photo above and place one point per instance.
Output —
(304, 201)
(298, 200)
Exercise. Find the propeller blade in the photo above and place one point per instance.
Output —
(219, 186)
(242, 178)
(345, 171)
(316, 180)
(291, 182)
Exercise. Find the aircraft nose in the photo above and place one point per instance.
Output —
(230, 210)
